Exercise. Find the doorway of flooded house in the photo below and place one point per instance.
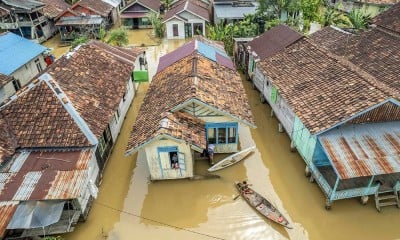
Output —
(130, 206)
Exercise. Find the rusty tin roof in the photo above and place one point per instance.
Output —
(7, 210)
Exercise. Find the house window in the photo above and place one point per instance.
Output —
(221, 133)
(170, 158)
(38, 65)
(17, 84)
(197, 28)
(175, 31)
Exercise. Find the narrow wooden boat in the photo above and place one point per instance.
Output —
(262, 205)
(232, 159)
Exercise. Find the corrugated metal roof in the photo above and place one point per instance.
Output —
(45, 175)
(209, 51)
(80, 20)
(229, 11)
(273, 40)
(15, 51)
(363, 149)
(7, 210)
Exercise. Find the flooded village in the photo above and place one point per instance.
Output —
(114, 111)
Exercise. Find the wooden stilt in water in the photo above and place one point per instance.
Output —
(280, 127)
(272, 113)
(292, 146)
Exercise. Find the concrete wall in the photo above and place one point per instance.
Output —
(169, 29)
(116, 123)
(26, 72)
(160, 169)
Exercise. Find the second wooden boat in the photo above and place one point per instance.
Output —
(261, 204)
(232, 159)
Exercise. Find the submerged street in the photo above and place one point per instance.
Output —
(130, 206)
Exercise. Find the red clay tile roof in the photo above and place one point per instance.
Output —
(193, 77)
(195, 7)
(53, 8)
(4, 79)
(321, 88)
(152, 4)
(98, 6)
(389, 19)
(38, 119)
(95, 78)
(8, 141)
(375, 51)
(273, 40)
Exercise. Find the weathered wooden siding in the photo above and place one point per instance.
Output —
(279, 105)
(250, 70)
(320, 158)
(116, 123)
(384, 113)
(303, 140)
(156, 170)
(223, 148)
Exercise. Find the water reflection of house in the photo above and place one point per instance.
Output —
(196, 98)
(135, 14)
(56, 134)
(187, 18)
(339, 105)
(31, 19)
(86, 18)
(20, 60)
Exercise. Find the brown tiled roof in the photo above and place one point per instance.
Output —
(193, 77)
(98, 6)
(389, 19)
(54, 7)
(196, 7)
(152, 4)
(321, 88)
(4, 79)
(375, 51)
(38, 119)
(273, 40)
(8, 141)
(95, 78)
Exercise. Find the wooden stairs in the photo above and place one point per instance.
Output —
(384, 199)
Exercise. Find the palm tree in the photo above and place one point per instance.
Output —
(332, 17)
(359, 19)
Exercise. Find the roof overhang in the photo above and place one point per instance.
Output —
(221, 112)
(158, 137)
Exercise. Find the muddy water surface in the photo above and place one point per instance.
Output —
(129, 206)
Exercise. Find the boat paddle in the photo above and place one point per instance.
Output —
(236, 197)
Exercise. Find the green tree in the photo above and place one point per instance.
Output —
(118, 37)
(79, 40)
(157, 24)
(332, 17)
(277, 7)
(359, 19)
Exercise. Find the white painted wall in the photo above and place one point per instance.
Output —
(116, 123)
(25, 74)
(155, 168)
(169, 29)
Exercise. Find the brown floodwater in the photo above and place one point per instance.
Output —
(129, 206)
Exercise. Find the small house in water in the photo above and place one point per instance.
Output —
(230, 11)
(339, 105)
(135, 14)
(187, 18)
(195, 99)
(20, 60)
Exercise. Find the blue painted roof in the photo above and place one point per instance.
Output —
(15, 51)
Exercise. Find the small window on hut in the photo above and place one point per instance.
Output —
(169, 157)
(211, 135)
(175, 31)
(231, 135)
(221, 135)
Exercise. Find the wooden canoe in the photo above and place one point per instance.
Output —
(262, 205)
(232, 159)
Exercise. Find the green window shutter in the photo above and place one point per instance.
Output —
(274, 94)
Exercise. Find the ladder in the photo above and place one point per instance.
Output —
(391, 198)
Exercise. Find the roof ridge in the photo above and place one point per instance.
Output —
(358, 70)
